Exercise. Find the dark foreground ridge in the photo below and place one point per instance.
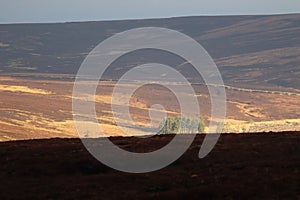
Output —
(256, 166)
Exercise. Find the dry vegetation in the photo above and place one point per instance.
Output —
(255, 166)
(42, 109)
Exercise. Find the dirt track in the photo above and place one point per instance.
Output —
(252, 166)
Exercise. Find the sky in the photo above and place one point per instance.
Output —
(36, 11)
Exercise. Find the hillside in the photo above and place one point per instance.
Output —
(255, 166)
(258, 56)
(253, 51)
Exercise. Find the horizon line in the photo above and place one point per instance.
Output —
(150, 18)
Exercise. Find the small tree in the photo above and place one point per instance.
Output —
(181, 125)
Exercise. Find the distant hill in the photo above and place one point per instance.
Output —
(252, 51)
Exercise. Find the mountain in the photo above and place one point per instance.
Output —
(258, 57)
(252, 51)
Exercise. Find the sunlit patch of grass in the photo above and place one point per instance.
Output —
(240, 126)
(24, 89)
(4, 45)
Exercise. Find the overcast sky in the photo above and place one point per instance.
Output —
(16, 11)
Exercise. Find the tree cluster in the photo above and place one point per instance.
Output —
(181, 125)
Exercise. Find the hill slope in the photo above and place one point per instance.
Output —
(264, 166)
(263, 51)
